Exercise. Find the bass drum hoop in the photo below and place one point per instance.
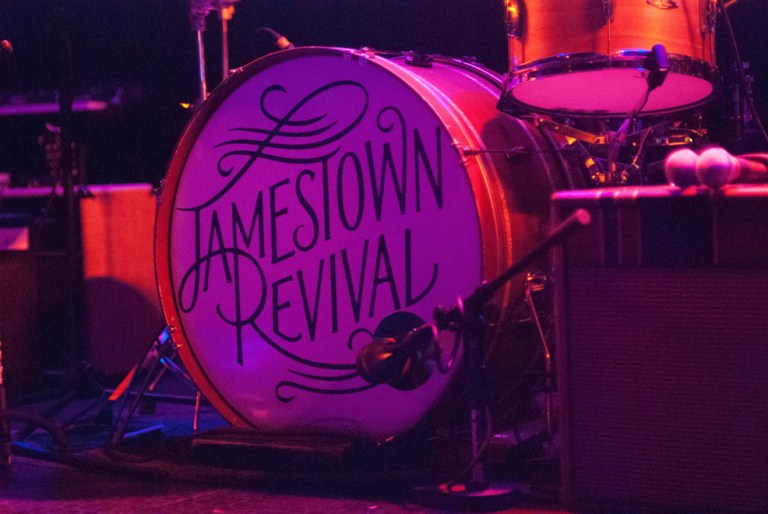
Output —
(498, 252)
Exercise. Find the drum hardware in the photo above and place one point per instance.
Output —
(420, 59)
(226, 12)
(620, 175)
(657, 64)
(467, 318)
(514, 19)
(143, 379)
(513, 23)
(572, 133)
(585, 148)
(198, 11)
(601, 171)
(594, 167)
(507, 152)
(738, 94)
(536, 283)
(677, 137)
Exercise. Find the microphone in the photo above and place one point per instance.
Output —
(716, 168)
(403, 362)
(657, 65)
(680, 168)
(276, 39)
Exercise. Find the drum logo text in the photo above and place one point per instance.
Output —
(316, 224)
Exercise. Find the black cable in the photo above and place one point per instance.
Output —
(56, 432)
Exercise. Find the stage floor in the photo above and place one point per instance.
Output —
(161, 467)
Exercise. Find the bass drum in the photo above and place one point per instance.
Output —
(317, 192)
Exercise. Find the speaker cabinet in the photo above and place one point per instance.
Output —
(123, 313)
(20, 318)
(662, 348)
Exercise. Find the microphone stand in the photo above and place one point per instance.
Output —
(73, 270)
(657, 64)
(468, 316)
(226, 11)
(198, 11)
(76, 379)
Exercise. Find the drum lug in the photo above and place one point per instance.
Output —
(158, 193)
(420, 60)
(362, 55)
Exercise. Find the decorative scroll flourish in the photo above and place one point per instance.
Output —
(290, 126)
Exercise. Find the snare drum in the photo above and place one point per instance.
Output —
(586, 57)
(317, 192)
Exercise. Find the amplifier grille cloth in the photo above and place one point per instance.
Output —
(668, 385)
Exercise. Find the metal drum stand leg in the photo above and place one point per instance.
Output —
(143, 378)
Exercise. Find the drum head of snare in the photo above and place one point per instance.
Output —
(593, 85)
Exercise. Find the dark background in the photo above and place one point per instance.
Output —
(148, 47)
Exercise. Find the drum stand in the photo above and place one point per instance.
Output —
(143, 378)
(198, 10)
(478, 493)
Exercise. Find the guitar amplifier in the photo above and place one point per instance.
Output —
(123, 313)
(662, 348)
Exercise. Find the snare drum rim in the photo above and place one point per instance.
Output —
(489, 199)
(590, 61)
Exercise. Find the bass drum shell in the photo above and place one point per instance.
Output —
(317, 192)
(575, 58)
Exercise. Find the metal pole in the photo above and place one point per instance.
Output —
(225, 13)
